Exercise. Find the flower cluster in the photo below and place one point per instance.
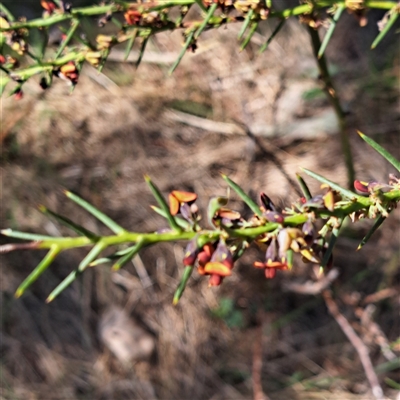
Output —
(216, 258)
(213, 259)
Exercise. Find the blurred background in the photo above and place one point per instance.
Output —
(117, 335)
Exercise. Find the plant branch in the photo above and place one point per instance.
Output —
(258, 392)
(335, 102)
(215, 250)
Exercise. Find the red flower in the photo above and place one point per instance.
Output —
(272, 261)
(132, 17)
(218, 264)
(49, 6)
(191, 253)
(19, 94)
(69, 72)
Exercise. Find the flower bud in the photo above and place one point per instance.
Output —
(191, 252)
(19, 94)
(274, 216)
(223, 255)
(267, 202)
(49, 6)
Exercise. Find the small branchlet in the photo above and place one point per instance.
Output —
(213, 250)
(129, 21)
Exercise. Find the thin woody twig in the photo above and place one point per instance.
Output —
(335, 102)
(379, 296)
(258, 393)
(358, 344)
(310, 287)
(375, 331)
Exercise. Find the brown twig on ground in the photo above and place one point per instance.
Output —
(374, 331)
(311, 287)
(258, 393)
(358, 344)
(380, 295)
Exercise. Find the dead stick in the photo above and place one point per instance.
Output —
(358, 344)
(257, 364)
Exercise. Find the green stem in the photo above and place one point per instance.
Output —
(331, 28)
(71, 32)
(334, 100)
(250, 233)
(332, 242)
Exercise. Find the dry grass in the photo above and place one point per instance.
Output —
(101, 140)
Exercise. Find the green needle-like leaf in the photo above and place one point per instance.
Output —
(4, 80)
(91, 256)
(16, 89)
(344, 192)
(6, 12)
(214, 205)
(377, 224)
(69, 224)
(162, 203)
(289, 257)
(116, 23)
(127, 257)
(180, 221)
(111, 257)
(253, 28)
(252, 204)
(201, 5)
(304, 187)
(38, 41)
(70, 34)
(246, 23)
(63, 285)
(44, 264)
(107, 221)
(103, 59)
(384, 153)
(394, 14)
(142, 50)
(392, 383)
(209, 15)
(130, 44)
(25, 235)
(187, 272)
(331, 28)
(182, 53)
(332, 242)
(274, 33)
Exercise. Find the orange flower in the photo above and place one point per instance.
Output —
(49, 6)
(220, 264)
(69, 72)
(178, 198)
(204, 257)
(132, 17)
(272, 261)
